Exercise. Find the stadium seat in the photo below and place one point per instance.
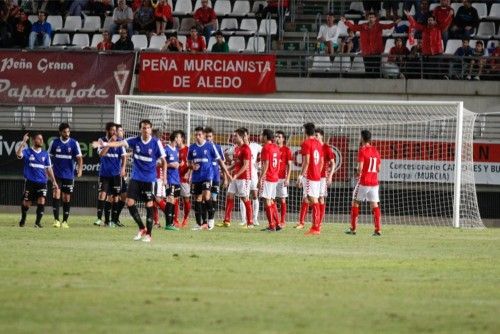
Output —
(186, 25)
(92, 23)
(452, 45)
(236, 43)
(389, 43)
(96, 39)
(256, 44)
(456, 6)
(482, 9)
(61, 40)
(115, 38)
(256, 4)
(33, 18)
(485, 30)
(491, 45)
(140, 42)
(62, 114)
(183, 7)
(321, 64)
(241, 8)
(72, 23)
(494, 12)
(56, 22)
(341, 64)
(222, 7)
(358, 66)
(183, 40)
(175, 26)
(229, 26)
(81, 40)
(211, 42)
(108, 21)
(198, 4)
(433, 6)
(268, 27)
(355, 6)
(387, 32)
(157, 42)
(248, 27)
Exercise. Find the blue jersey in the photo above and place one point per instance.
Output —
(145, 155)
(203, 155)
(172, 155)
(63, 155)
(35, 164)
(215, 165)
(111, 162)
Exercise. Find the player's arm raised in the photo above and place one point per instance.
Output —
(20, 148)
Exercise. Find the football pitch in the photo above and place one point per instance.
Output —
(88, 279)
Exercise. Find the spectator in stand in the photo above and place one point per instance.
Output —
(466, 21)
(136, 4)
(391, 9)
(495, 61)
(371, 6)
(328, 35)
(220, 43)
(414, 62)
(421, 17)
(350, 43)
(441, 13)
(172, 44)
(5, 28)
(206, 19)
(100, 8)
(371, 41)
(398, 53)
(77, 6)
(11, 11)
(124, 43)
(144, 18)
(432, 41)
(40, 32)
(122, 17)
(21, 30)
(195, 43)
(456, 65)
(163, 17)
(477, 62)
(272, 7)
(105, 44)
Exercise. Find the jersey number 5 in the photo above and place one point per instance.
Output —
(275, 160)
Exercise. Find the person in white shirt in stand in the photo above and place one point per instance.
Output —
(329, 34)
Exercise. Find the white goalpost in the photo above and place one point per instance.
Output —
(427, 171)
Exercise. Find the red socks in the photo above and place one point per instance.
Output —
(249, 211)
(283, 212)
(376, 218)
(162, 204)
(229, 209)
(303, 212)
(322, 208)
(155, 214)
(269, 216)
(187, 208)
(275, 214)
(316, 217)
(354, 217)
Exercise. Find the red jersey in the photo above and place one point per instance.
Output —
(370, 158)
(312, 147)
(327, 157)
(242, 153)
(196, 45)
(159, 171)
(271, 152)
(183, 166)
(286, 156)
(204, 15)
(164, 10)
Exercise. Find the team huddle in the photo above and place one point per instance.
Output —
(165, 171)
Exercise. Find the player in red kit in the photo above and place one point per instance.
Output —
(240, 184)
(268, 180)
(185, 187)
(284, 172)
(159, 186)
(326, 172)
(367, 187)
(310, 175)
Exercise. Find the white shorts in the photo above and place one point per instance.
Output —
(240, 188)
(254, 182)
(311, 188)
(323, 188)
(185, 190)
(281, 189)
(160, 190)
(366, 193)
(268, 190)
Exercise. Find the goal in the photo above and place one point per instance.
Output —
(427, 171)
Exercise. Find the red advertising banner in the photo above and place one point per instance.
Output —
(57, 78)
(207, 73)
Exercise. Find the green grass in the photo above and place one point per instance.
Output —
(97, 280)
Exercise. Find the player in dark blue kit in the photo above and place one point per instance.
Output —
(37, 166)
(146, 150)
(111, 170)
(64, 151)
(216, 177)
(173, 185)
(201, 156)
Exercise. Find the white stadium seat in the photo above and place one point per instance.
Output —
(222, 7)
(72, 23)
(341, 64)
(115, 38)
(108, 21)
(92, 23)
(485, 30)
(211, 42)
(494, 12)
(241, 8)
(321, 64)
(81, 40)
(183, 7)
(157, 42)
(268, 26)
(256, 44)
(248, 27)
(55, 21)
(228, 26)
(96, 39)
(482, 9)
(358, 66)
(452, 45)
(236, 43)
(61, 39)
(140, 42)
(186, 25)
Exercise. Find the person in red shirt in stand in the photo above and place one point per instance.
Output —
(441, 14)
(285, 169)
(206, 19)
(240, 184)
(268, 180)
(367, 187)
(185, 187)
(105, 44)
(163, 17)
(326, 172)
(372, 45)
(195, 43)
(310, 175)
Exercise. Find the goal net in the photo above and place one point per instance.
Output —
(427, 171)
